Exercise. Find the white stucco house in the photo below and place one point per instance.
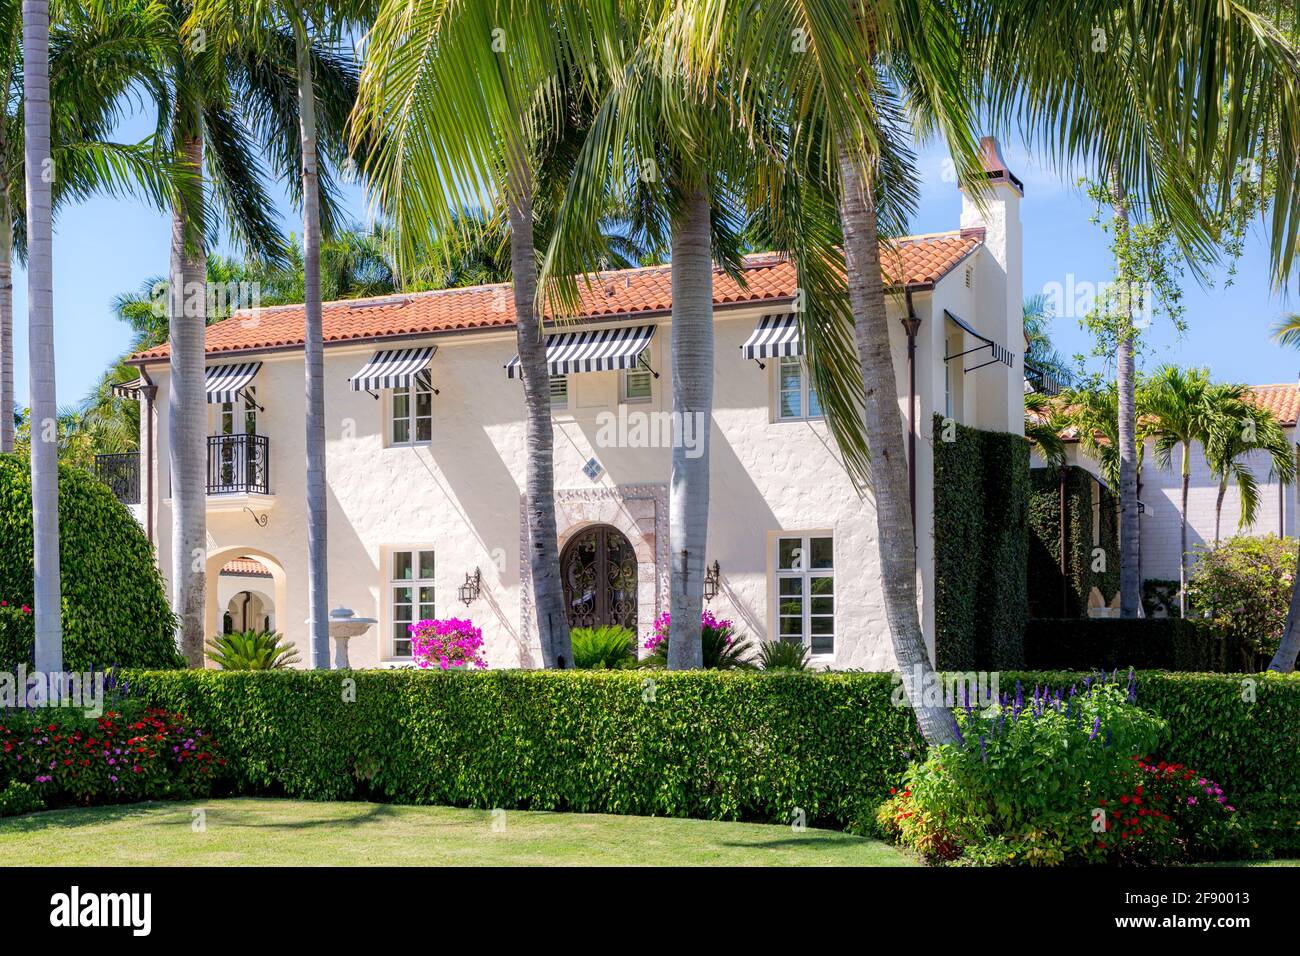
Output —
(425, 459)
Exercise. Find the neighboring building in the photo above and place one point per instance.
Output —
(425, 457)
(1160, 492)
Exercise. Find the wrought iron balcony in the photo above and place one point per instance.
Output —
(239, 464)
(122, 475)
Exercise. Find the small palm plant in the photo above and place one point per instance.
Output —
(252, 651)
(608, 647)
(783, 656)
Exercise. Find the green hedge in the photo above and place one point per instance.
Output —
(1169, 643)
(981, 492)
(720, 745)
(1045, 584)
(114, 606)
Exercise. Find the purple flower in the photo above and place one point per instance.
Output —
(1096, 728)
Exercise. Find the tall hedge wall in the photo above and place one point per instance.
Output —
(1045, 582)
(981, 494)
(720, 745)
(114, 606)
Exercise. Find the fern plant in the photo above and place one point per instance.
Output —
(252, 651)
(783, 656)
(608, 647)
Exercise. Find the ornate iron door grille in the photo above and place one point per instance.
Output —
(599, 572)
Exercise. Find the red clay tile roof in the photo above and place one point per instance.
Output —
(628, 293)
(246, 566)
(1282, 400)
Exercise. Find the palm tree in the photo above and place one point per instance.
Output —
(463, 99)
(1044, 422)
(229, 102)
(1185, 408)
(1040, 354)
(1243, 430)
(40, 298)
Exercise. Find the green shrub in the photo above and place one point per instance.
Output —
(1021, 785)
(1242, 588)
(18, 798)
(1105, 643)
(603, 648)
(783, 656)
(252, 651)
(981, 494)
(114, 606)
(17, 633)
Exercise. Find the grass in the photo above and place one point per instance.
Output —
(273, 832)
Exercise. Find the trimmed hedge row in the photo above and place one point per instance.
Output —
(720, 745)
(1049, 595)
(1169, 643)
(981, 486)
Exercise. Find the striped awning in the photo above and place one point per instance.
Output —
(394, 368)
(129, 389)
(997, 352)
(223, 383)
(776, 335)
(607, 350)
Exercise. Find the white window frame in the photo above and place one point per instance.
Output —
(805, 575)
(416, 582)
(562, 393)
(642, 371)
(805, 390)
(412, 419)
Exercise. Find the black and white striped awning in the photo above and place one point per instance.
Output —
(607, 350)
(223, 383)
(998, 353)
(776, 335)
(394, 368)
(129, 389)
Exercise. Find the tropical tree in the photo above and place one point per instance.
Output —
(1044, 421)
(1184, 408)
(1041, 354)
(1245, 430)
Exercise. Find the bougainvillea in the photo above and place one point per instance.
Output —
(448, 644)
(709, 624)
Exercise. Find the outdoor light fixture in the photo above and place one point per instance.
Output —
(712, 578)
(470, 589)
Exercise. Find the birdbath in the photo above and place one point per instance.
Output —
(343, 625)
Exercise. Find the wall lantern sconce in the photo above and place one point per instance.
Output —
(468, 591)
(712, 581)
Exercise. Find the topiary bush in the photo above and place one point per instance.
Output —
(114, 605)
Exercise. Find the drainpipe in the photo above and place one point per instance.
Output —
(150, 391)
(911, 325)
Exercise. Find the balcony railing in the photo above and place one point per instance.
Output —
(122, 475)
(239, 464)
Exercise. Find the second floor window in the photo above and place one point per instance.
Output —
(796, 398)
(411, 420)
(634, 384)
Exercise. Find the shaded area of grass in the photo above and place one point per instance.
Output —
(253, 831)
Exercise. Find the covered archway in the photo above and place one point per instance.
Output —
(261, 577)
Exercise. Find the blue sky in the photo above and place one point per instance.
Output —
(104, 247)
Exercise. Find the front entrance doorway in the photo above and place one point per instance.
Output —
(598, 568)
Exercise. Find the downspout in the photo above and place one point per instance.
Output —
(911, 325)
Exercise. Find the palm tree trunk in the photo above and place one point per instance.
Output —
(314, 357)
(539, 477)
(1218, 508)
(1129, 541)
(896, 545)
(6, 318)
(1182, 534)
(187, 408)
(688, 491)
(40, 325)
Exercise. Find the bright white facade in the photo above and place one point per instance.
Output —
(426, 489)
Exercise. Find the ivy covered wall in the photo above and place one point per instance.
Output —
(1089, 525)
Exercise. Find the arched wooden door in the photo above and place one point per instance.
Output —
(598, 567)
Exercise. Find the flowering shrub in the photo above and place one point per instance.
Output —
(72, 759)
(1243, 588)
(1021, 783)
(449, 644)
(722, 650)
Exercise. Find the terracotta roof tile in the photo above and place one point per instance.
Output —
(920, 261)
(246, 566)
(1282, 400)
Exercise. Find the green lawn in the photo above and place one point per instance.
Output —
(291, 832)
